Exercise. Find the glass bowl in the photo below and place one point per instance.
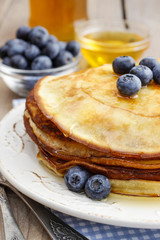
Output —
(22, 81)
(102, 41)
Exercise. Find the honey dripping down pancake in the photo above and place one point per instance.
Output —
(130, 172)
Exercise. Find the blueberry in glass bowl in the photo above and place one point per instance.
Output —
(22, 81)
(25, 60)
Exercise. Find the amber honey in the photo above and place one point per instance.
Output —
(58, 16)
(103, 47)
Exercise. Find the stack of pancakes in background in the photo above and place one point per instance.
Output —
(81, 119)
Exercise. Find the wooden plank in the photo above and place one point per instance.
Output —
(29, 225)
(15, 16)
(107, 9)
(146, 11)
(6, 96)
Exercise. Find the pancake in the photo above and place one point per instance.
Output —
(88, 108)
(57, 142)
(127, 187)
(112, 168)
(53, 141)
(62, 115)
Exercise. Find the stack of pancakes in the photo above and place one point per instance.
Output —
(81, 119)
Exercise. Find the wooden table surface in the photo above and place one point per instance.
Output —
(14, 13)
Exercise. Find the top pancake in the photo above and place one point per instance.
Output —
(88, 108)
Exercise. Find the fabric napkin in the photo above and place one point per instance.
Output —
(98, 231)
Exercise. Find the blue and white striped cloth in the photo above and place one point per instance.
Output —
(98, 231)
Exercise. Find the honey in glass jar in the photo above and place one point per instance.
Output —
(58, 16)
(102, 42)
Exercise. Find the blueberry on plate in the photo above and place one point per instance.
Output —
(150, 62)
(75, 178)
(3, 51)
(63, 58)
(38, 36)
(156, 74)
(41, 63)
(31, 52)
(51, 50)
(97, 187)
(144, 73)
(128, 84)
(22, 32)
(16, 46)
(7, 61)
(18, 61)
(73, 47)
(123, 64)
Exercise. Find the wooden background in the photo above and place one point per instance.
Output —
(14, 13)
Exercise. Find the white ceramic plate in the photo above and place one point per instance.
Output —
(21, 168)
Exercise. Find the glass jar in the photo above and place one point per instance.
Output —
(58, 16)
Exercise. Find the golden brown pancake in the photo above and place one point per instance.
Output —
(112, 168)
(88, 108)
(135, 187)
(60, 144)
(62, 115)
(65, 148)
(129, 186)
(57, 142)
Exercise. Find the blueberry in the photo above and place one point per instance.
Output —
(156, 74)
(150, 62)
(97, 187)
(41, 63)
(123, 64)
(16, 41)
(73, 47)
(38, 36)
(7, 61)
(63, 58)
(10, 41)
(31, 51)
(51, 50)
(16, 46)
(128, 84)
(144, 73)
(62, 45)
(3, 51)
(18, 61)
(52, 39)
(75, 178)
(23, 32)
